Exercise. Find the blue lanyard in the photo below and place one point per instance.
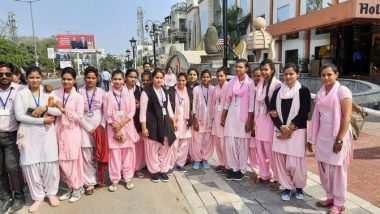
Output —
(180, 99)
(65, 100)
(204, 96)
(118, 101)
(35, 101)
(89, 102)
(6, 101)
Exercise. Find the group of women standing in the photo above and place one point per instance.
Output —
(162, 127)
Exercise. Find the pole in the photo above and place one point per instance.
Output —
(34, 39)
(225, 33)
(154, 45)
(134, 57)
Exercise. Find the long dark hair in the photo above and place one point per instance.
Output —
(17, 72)
(273, 68)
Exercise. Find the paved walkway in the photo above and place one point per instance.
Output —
(209, 192)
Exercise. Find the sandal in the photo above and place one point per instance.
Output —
(336, 210)
(325, 203)
(264, 181)
(275, 186)
(255, 177)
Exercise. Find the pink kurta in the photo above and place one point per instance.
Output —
(264, 129)
(91, 122)
(202, 147)
(68, 127)
(158, 156)
(218, 99)
(180, 148)
(70, 139)
(128, 107)
(325, 140)
(122, 155)
(170, 79)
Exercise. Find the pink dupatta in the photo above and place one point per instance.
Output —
(184, 100)
(242, 91)
(329, 100)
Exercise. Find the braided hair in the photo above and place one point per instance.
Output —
(272, 67)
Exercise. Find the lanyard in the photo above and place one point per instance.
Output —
(204, 96)
(65, 100)
(89, 102)
(35, 101)
(118, 101)
(180, 99)
(241, 85)
(6, 101)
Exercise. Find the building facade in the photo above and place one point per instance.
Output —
(313, 32)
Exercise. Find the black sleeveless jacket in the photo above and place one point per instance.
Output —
(158, 125)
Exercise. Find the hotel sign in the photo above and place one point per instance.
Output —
(367, 9)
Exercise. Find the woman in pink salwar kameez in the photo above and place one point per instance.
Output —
(217, 131)
(264, 127)
(290, 105)
(202, 147)
(158, 127)
(92, 118)
(69, 136)
(119, 108)
(237, 120)
(180, 102)
(330, 131)
(252, 155)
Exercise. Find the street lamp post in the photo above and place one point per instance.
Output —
(128, 52)
(155, 31)
(133, 45)
(31, 15)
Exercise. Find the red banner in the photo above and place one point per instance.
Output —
(76, 42)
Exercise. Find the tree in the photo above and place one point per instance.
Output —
(18, 55)
(110, 62)
(237, 24)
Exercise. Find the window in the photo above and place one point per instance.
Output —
(283, 13)
(291, 56)
(292, 36)
(313, 5)
(182, 25)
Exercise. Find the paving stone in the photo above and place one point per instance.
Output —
(357, 210)
(304, 207)
(205, 187)
(192, 172)
(315, 192)
(200, 210)
(286, 210)
(207, 198)
(225, 197)
(258, 187)
(194, 201)
(221, 209)
(223, 185)
(319, 209)
(254, 206)
(241, 208)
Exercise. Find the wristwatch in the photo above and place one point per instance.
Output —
(339, 141)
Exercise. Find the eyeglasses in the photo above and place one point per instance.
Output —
(5, 74)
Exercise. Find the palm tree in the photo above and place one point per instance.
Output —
(237, 24)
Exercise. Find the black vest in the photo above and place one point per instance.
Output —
(158, 125)
(136, 117)
(172, 97)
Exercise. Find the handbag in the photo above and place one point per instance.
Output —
(357, 119)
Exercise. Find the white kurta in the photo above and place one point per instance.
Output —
(40, 143)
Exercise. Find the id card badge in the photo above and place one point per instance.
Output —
(90, 114)
(261, 110)
(219, 108)
(180, 109)
(236, 102)
(206, 109)
(5, 112)
(164, 111)
(119, 113)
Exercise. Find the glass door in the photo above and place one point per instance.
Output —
(375, 59)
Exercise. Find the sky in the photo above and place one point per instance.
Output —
(113, 22)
